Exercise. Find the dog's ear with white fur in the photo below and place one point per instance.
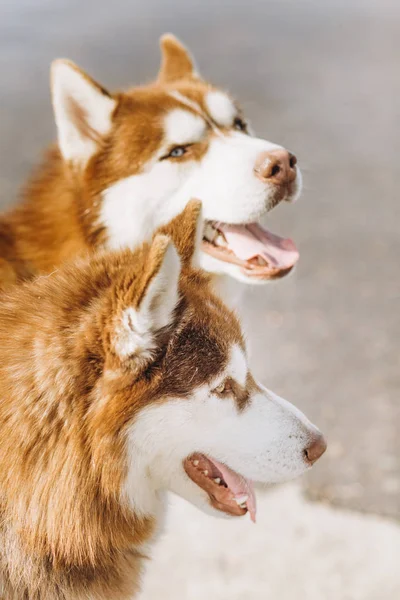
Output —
(150, 306)
(176, 61)
(83, 111)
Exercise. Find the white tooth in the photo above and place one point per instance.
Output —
(196, 463)
(241, 500)
(244, 505)
(217, 480)
(205, 472)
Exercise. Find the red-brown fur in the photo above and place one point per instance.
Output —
(66, 400)
(58, 216)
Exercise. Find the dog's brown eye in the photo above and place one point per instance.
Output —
(240, 124)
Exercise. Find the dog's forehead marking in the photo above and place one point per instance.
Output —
(237, 366)
(183, 127)
(221, 108)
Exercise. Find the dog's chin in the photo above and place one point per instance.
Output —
(222, 268)
(201, 501)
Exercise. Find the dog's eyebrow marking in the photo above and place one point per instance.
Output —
(196, 107)
(221, 108)
(183, 127)
(237, 366)
(186, 101)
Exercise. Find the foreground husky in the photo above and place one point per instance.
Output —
(120, 379)
(128, 162)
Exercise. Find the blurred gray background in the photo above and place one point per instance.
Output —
(322, 78)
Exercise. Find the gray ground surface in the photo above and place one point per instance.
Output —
(323, 79)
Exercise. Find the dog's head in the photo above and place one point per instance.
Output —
(178, 385)
(141, 154)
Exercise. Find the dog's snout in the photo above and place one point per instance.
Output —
(315, 448)
(276, 166)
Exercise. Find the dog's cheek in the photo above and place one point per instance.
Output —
(134, 207)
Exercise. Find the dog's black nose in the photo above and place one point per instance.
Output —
(315, 448)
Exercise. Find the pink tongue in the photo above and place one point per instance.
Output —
(239, 486)
(252, 240)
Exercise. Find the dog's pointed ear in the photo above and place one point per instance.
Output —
(186, 232)
(176, 61)
(149, 306)
(83, 111)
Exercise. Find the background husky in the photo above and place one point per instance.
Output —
(121, 378)
(128, 162)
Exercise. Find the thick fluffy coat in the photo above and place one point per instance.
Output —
(123, 377)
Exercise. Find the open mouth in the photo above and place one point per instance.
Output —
(258, 253)
(228, 491)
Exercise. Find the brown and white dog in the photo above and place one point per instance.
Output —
(128, 162)
(123, 377)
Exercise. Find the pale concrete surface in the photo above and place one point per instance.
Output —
(296, 551)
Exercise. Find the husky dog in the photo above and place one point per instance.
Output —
(128, 162)
(122, 377)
